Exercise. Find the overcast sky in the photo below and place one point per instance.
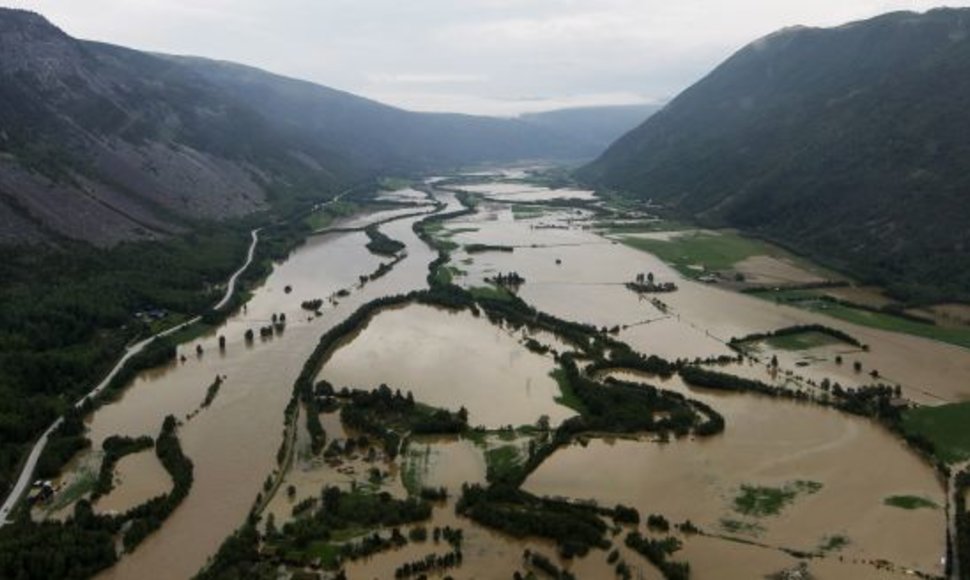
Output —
(498, 57)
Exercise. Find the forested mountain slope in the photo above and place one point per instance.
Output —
(379, 136)
(102, 144)
(850, 144)
(594, 128)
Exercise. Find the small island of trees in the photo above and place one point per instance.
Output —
(646, 284)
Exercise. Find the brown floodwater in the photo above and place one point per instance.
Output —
(366, 217)
(586, 285)
(138, 478)
(767, 442)
(771, 443)
(775, 270)
(707, 557)
(450, 462)
(453, 359)
(450, 359)
(233, 442)
(512, 191)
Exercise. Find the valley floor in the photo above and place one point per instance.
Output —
(511, 390)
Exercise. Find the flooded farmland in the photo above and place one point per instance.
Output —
(233, 443)
(834, 470)
(450, 360)
(856, 463)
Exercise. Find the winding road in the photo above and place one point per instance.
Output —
(27, 472)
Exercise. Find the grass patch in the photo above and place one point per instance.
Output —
(801, 341)
(490, 293)
(446, 245)
(567, 397)
(711, 251)
(82, 485)
(502, 462)
(415, 468)
(477, 436)
(760, 501)
(329, 554)
(446, 233)
(191, 332)
(945, 426)
(910, 502)
(324, 217)
(639, 227)
(170, 321)
(833, 543)
(524, 212)
(809, 300)
(442, 276)
(733, 526)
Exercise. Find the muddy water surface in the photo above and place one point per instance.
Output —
(770, 443)
(586, 285)
(138, 478)
(450, 359)
(522, 192)
(233, 443)
(453, 359)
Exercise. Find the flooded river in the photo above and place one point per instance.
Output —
(450, 360)
(454, 359)
(769, 443)
(233, 443)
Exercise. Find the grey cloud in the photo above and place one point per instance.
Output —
(476, 56)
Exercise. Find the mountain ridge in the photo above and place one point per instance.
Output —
(812, 138)
(105, 144)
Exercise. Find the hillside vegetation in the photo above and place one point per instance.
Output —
(848, 144)
(104, 144)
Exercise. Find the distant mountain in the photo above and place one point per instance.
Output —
(594, 128)
(849, 143)
(102, 143)
(379, 136)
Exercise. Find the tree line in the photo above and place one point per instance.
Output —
(797, 329)
(85, 543)
(115, 447)
(380, 243)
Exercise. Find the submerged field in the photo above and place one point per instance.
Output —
(509, 418)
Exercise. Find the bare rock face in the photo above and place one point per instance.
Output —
(104, 145)
(183, 179)
(31, 44)
(39, 207)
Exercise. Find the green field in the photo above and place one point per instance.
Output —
(801, 341)
(322, 218)
(760, 501)
(395, 183)
(733, 526)
(947, 426)
(811, 300)
(490, 292)
(524, 212)
(695, 253)
(640, 226)
(329, 554)
(567, 398)
(502, 462)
